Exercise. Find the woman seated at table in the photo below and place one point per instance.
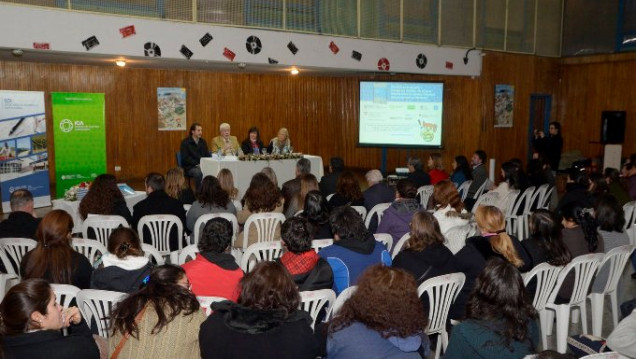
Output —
(226, 179)
(316, 212)
(281, 143)
(348, 191)
(253, 143)
(177, 186)
(397, 217)
(308, 182)
(261, 196)
(449, 208)
(53, 258)
(124, 266)
(211, 198)
(31, 323)
(104, 197)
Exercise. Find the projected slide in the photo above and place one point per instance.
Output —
(401, 114)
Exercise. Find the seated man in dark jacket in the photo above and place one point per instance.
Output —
(22, 222)
(308, 270)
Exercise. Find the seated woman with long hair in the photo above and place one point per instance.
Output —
(384, 318)
(211, 198)
(124, 266)
(53, 258)
(177, 186)
(448, 206)
(348, 191)
(226, 179)
(316, 212)
(397, 217)
(261, 196)
(265, 322)
(436, 168)
(545, 243)
(30, 323)
(104, 197)
(160, 321)
(500, 319)
(308, 182)
(461, 171)
(510, 181)
(611, 220)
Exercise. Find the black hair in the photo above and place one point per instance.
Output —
(216, 235)
(609, 214)
(464, 167)
(347, 224)
(337, 163)
(156, 181)
(482, 155)
(546, 229)
(296, 232)
(576, 213)
(406, 188)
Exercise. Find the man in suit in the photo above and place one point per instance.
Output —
(291, 188)
(22, 222)
(192, 149)
(329, 182)
(158, 202)
(480, 175)
(377, 193)
(228, 145)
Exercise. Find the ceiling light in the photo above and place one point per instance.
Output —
(294, 71)
(120, 63)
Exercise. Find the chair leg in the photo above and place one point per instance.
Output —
(562, 324)
(575, 315)
(438, 347)
(584, 317)
(614, 301)
(549, 321)
(596, 304)
(543, 321)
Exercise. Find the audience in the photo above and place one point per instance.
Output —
(253, 143)
(329, 181)
(316, 212)
(177, 186)
(480, 175)
(348, 192)
(598, 186)
(53, 258)
(500, 319)
(461, 171)
(545, 243)
(416, 172)
(211, 198)
(161, 320)
(214, 272)
(31, 323)
(104, 197)
(308, 183)
(397, 217)
(308, 270)
(383, 319)
(227, 183)
(281, 143)
(22, 222)
(124, 266)
(265, 322)
(436, 168)
(629, 173)
(291, 188)
(377, 192)
(269, 172)
(448, 207)
(616, 189)
(576, 190)
(353, 249)
(510, 181)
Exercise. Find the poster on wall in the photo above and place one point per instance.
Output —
(504, 105)
(24, 161)
(79, 131)
(171, 104)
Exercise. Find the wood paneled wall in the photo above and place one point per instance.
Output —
(321, 112)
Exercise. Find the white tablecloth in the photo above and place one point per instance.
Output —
(72, 208)
(243, 171)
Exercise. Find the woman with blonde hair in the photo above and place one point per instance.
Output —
(448, 206)
(436, 168)
(227, 183)
(269, 172)
(281, 143)
(177, 187)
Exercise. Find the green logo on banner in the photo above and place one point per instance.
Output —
(79, 134)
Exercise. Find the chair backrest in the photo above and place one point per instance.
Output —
(98, 304)
(629, 227)
(510, 201)
(152, 253)
(615, 260)
(265, 224)
(206, 302)
(486, 199)
(188, 252)
(201, 222)
(329, 196)
(186, 207)
(340, 300)
(102, 226)
(362, 211)
(314, 301)
(90, 248)
(260, 252)
(64, 293)
(441, 291)
(584, 268)
(7, 281)
(537, 197)
(14, 249)
(237, 205)
(318, 244)
(400, 244)
(523, 200)
(463, 189)
(178, 156)
(547, 198)
(378, 211)
(160, 226)
(385, 238)
(546, 276)
(487, 183)
(455, 237)
(425, 193)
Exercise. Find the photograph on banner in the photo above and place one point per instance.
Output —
(24, 161)
(171, 104)
(79, 132)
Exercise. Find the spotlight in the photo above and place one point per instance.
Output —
(294, 71)
(120, 63)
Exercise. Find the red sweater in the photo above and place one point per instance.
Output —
(437, 175)
(210, 280)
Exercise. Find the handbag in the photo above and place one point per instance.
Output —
(124, 338)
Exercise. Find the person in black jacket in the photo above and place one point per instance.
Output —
(417, 173)
(253, 143)
(22, 222)
(329, 181)
(549, 147)
(192, 149)
(308, 270)
(31, 323)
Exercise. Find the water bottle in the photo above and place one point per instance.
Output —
(220, 153)
(255, 150)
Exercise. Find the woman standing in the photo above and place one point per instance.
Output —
(253, 143)
(104, 197)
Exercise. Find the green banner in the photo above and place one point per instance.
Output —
(79, 132)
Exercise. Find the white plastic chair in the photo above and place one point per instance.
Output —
(318, 244)
(607, 355)
(152, 253)
(515, 221)
(265, 225)
(547, 197)
(546, 277)
(425, 193)
(160, 226)
(455, 237)
(206, 302)
(65, 293)
(201, 221)
(584, 268)
(340, 300)
(98, 304)
(102, 226)
(314, 301)
(378, 211)
(486, 199)
(14, 249)
(629, 227)
(260, 252)
(237, 205)
(6, 282)
(615, 260)
(463, 189)
(442, 292)
(385, 238)
(329, 197)
(187, 207)
(362, 211)
(484, 186)
(90, 248)
(400, 244)
(187, 252)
